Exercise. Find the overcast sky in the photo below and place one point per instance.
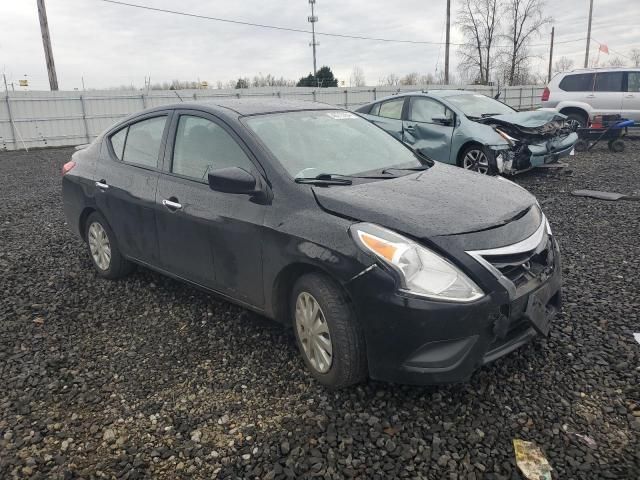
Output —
(113, 45)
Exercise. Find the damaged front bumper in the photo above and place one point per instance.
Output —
(422, 341)
(522, 156)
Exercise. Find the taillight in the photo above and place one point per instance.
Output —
(66, 168)
(546, 93)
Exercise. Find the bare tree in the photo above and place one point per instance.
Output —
(617, 62)
(427, 79)
(357, 77)
(391, 80)
(525, 20)
(478, 20)
(410, 79)
(563, 64)
(635, 57)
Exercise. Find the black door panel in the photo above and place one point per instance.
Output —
(128, 203)
(212, 238)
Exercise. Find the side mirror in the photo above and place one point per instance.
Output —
(232, 180)
(442, 120)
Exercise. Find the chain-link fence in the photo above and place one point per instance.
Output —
(46, 119)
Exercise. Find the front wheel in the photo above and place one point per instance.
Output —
(478, 159)
(327, 332)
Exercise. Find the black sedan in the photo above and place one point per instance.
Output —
(386, 264)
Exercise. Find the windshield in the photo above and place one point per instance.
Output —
(311, 143)
(476, 105)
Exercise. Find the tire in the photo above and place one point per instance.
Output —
(581, 146)
(579, 118)
(342, 339)
(472, 156)
(617, 146)
(108, 262)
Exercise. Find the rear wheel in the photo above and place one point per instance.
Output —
(578, 119)
(103, 249)
(327, 332)
(478, 159)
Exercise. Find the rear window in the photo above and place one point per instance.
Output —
(609, 82)
(578, 82)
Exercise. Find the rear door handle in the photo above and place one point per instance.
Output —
(171, 205)
(102, 185)
(591, 96)
(630, 96)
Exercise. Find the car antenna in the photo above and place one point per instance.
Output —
(178, 95)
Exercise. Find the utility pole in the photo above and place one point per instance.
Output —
(553, 31)
(446, 50)
(586, 56)
(46, 42)
(312, 20)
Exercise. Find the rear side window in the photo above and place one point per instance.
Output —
(609, 82)
(202, 146)
(142, 146)
(578, 82)
(633, 82)
(392, 109)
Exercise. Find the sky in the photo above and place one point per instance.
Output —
(110, 45)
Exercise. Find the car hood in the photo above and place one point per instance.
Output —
(440, 201)
(533, 119)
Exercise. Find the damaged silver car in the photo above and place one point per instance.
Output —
(474, 131)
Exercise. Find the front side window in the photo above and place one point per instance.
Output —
(140, 142)
(392, 109)
(609, 82)
(424, 109)
(633, 82)
(202, 146)
(311, 143)
(579, 82)
(474, 105)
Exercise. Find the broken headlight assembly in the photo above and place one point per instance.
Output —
(421, 271)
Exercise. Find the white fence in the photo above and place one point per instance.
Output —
(46, 119)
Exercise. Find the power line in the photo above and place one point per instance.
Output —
(299, 30)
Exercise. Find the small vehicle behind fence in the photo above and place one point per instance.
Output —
(612, 128)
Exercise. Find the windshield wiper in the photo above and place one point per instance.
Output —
(485, 115)
(326, 179)
(406, 169)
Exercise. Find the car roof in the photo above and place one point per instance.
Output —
(438, 93)
(249, 106)
(600, 69)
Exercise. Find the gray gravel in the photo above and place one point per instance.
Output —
(147, 377)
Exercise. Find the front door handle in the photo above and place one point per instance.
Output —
(591, 96)
(102, 185)
(171, 205)
(630, 96)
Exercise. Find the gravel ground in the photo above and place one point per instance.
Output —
(149, 378)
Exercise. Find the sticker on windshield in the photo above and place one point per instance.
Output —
(341, 115)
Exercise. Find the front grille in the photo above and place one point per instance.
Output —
(521, 264)
(521, 268)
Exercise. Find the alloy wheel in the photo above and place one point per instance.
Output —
(313, 332)
(477, 161)
(99, 246)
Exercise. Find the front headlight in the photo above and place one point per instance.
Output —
(421, 271)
